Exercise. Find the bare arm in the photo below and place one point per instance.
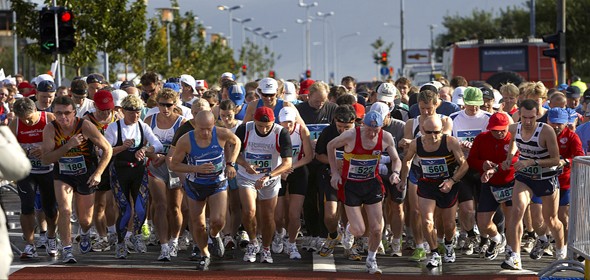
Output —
(49, 155)
(406, 165)
(180, 151)
(511, 148)
(308, 152)
(550, 142)
(91, 132)
(249, 116)
(447, 125)
(408, 135)
(454, 145)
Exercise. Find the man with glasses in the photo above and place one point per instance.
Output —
(79, 89)
(95, 83)
(150, 85)
(70, 143)
(442, 165)
(267, 90)
(45, 95)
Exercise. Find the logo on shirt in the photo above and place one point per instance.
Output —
(376, 153)
(506, 147)
(563, 140)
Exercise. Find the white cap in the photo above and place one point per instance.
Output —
(268, 86)
(287, 114)
(118, 96)
(201, 84)
(117, 84)
(189, 80)
(458, 96)
(381, 108)
(386, 92)
(228, 75)
(44, 77)
(497, 97)
(289, 92)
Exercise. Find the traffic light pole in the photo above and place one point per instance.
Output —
(58, 56)
(561, 27)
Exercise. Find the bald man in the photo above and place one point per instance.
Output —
(442, 165)
(207, 168)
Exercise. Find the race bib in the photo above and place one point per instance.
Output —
(296, 151)
(467, 135)
(72, 165)
(262, 162)
(165, 149)
(434, 168)
(502, 194)
(339, 155)
(315, 130)
(362, 169)
(219, 164)
(534, 172)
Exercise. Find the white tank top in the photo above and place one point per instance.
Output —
(297, 143)
(165, 135)
(261, 152)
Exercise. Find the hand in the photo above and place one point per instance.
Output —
(335, 180)
(488, 165)
(404, 143)
(251, 169)
(94, 180)
(206, 168)
(140, 154)
(394, 178)
(128, 143)
(76, 140)
(35, 152)
(230, 172)
(506, 164)
(521, 164)
(401, 187)
(260, 182)
(466, 144)
(485, 177)
(158, 160)
(446, 186)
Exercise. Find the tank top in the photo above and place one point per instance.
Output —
(361, 165)
(438, 165)
(297, 143)
(276, 110)
(262, 152)
(531, 149)
(417, 133)
(165, 135)
(78, 160)
(127, 157)
(212, 153)
(242, 113)
(30, 137)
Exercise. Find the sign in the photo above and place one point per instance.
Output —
(384, 71)
(417, 56)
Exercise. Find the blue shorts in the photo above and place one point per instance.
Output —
(487, 201)
(202, 192)
(414, 174)
(540, 188)
(564, 198)
(233, 184)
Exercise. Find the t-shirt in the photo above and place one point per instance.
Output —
(285, 148)
(86, 107)
(313, 116)
(396, 128)
(446, 108)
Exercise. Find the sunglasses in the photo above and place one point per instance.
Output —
(432, 131)
(131, 109)
(268, 95)
(167, 105)
(64, 113)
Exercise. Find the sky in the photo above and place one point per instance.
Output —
(353, 53)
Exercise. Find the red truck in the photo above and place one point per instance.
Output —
(498, 61)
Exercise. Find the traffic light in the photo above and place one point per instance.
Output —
(384, 58)
(271, 74)
(66, 30)
(244, 68)
(557, 41)
(308, 74)
(47, 31)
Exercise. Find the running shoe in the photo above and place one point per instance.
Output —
(293, 252)
(396, 248)
(449, 255)
(528, 244)
(265, 256)
(418, 255)
(539, 249)
(51, 248)
(217, 247)
(101, 245)
(113, 239)
(512, 262)
(434, 260)
(29, 252)
(195, 254)
(173, 248)
(41, 242)
(203, 264)
(353, 253)
(470, 245)
(243, 239)
(85, 244)
(328, 247)
(250, 255)
(130, 243)
(121, 251)
(164, 253)
(347, 239)
(372, 267)
(68, 256)
(139, 244)
(277, 241)
(229, 242)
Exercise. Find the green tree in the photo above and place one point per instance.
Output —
(259, 60)
(380, 46)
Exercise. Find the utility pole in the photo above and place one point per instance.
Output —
(561, 27)
(403, 44)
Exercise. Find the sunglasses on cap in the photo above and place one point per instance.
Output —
(432, 131)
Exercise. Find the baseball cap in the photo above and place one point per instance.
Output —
(228, 75)
(264, 114)
(237, 94)
(117, 84)
(103, 100)
(458, 96)
(386, 92)
(497, 98)
(24, 85)
(268, 86)
(289, 93)
(43, 77)
(473, 96)
(558, 115)
(380, 107)
(201, 84)
(572, 92)
(498, 121)
(573, 115)
(173, 86)
(126, 84)
(562, 87)
(373, 119)
(359, 109)
(189, 80)
(487, 93)
(95, 78)
(288, 114)
(429, 86)
(304, 86)
(46, 86)
(118, 96)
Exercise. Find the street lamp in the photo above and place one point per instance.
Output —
(305, 43)
(270, 38)
(307, 6)
(432, 27)
(324, 18)
(230, 10)
(167, 16)
(335, 49)
(255, 31)
(242, 21)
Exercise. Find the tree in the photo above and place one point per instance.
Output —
(380, 47)
(258, 60)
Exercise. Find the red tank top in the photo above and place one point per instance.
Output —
(31, 134)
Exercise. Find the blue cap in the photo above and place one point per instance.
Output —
(173, 86)
(562, 87)
(573, 115)
(558, 115)
(46, 86)
(237, 94)
(373, 119)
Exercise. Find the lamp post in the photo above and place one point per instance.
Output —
(304, 42)
(402, 57)
(167, 16)
(335, 49)
(432, 26)
(324, 18)
(307, 6)
(229, 10)
(270, 38)
(255, 31)
(242, 21)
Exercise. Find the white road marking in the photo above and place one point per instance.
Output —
(323, 264)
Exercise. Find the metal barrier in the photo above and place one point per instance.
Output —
(579, 222)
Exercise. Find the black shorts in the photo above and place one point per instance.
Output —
(27, 192)
(327, 192)
(79, 182)
(365, 192)
(470, 183)
(430, 190)
(200, 192)
(487, 202)
(105, 182)
(391, 190)
(297, 182)
(540, 188)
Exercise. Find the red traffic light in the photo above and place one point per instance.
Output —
(384, 56)
(244, 67)
(66, 16)
(308, 73)
(271, 74)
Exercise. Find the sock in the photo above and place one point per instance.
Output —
(165, 245)
(371, 255)
(561, 251)
(67, 247)
(397, 241)
(420, 246)
(174, 240)
(543, 238)
(128, 234)
(449, 242)
(440, 240)
(333, 235)
(471, 232)
(112, 229)
(497, 239)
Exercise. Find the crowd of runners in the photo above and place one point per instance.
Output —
(278, 166)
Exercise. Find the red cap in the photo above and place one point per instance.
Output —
(498, 121)
(304, 86)
(103, 100)
(359, 109)
(264, 114)
(25, 85)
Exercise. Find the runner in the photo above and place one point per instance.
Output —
(208, 167)
(359, 183)
(69, 141)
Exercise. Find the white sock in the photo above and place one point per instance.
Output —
(174, 240)
(371, 255)
(112, 229)
(128, 234)
(420, 246)
(561, 251)
(497, 239)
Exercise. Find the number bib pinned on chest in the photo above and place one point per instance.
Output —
(434, 168)
(72, 165)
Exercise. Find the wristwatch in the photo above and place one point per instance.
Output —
(268, 175)
(232, 164)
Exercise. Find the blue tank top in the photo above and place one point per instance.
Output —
(242, 113)
(213, 154)
(276, 110)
